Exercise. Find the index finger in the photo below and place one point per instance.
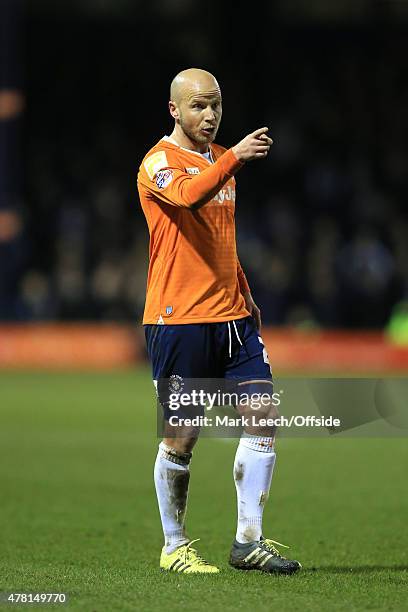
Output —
(260, 131)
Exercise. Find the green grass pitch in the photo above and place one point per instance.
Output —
(78, 512)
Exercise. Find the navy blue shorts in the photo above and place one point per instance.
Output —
(232, 351)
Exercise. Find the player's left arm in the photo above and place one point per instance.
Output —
(246, 292)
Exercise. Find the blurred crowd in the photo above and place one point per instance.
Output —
(321, 225)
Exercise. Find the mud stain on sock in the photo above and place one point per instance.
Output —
(250, 534)
(263, 498)
(239, 472)
(178, 491)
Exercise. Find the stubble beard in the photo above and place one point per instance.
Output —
(196, 137)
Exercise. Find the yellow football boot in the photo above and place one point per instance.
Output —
(186, 560)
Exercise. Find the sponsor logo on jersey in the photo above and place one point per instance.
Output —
(225, 194)
(154, 163)
(193, 170)
(163, 178)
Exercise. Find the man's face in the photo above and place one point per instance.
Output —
(200, 115)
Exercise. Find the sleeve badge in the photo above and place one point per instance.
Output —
(163, 178)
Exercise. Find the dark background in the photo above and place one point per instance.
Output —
(321, 225)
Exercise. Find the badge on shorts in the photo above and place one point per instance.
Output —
(176, 383)
(169, 310)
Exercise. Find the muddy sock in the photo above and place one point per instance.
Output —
(171, 478)
(253, 468)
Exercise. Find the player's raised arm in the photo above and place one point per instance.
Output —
(200, 189)
(174, 186)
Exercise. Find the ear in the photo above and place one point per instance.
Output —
(174, 112)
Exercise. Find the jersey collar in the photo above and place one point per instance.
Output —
(173, 142)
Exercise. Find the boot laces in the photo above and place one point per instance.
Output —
(192, 556)
(269, 544)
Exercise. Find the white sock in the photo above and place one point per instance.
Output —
(253, 468)
(171, 478)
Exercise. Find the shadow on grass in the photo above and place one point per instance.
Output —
(358, 569)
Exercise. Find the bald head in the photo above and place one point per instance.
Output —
(193, 81)
(196, 107)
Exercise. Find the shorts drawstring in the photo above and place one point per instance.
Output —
(230, 337)
(229, 340)
(236, 332)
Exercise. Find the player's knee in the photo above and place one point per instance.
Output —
(182, 444)
(261, 408)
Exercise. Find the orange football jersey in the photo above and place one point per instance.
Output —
(194, 274)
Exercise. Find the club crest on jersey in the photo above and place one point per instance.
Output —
(163, 178)
(169, 310)
(154, 163)
(193, 170)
